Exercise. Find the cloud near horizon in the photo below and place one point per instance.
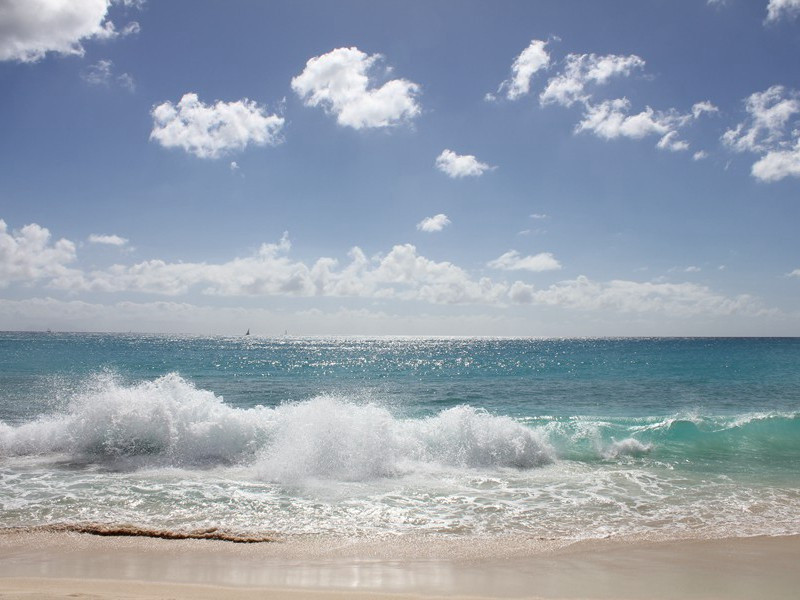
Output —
(28, 257)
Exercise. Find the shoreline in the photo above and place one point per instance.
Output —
(56, 565)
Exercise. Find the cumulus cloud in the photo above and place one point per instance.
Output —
(777, 164)
(581, 70)
(795, 273)
(434, 223)
(339, 81)
(776, 9)
(28, 255)
(538, 216)
(30, 29)
(460, 165)
(210, 131)
(530, 61)
(610, 120)
(700, 155)
(514, 261)
(402, 274)
(110, 240)
(767, 131)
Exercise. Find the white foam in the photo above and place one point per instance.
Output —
(626, 447)
(170, 422)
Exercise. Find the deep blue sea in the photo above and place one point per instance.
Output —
(555, 438)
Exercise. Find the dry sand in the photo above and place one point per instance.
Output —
(73, 565)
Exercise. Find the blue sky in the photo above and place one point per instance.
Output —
(459, 168)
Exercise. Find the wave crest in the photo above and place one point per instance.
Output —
(169, 422)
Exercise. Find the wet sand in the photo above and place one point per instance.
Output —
(68, 565)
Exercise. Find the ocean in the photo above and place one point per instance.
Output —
(560, 439)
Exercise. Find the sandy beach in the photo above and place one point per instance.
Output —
(62, 565)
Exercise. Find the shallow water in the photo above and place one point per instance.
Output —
(565, 439)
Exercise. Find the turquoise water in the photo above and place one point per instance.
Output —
(573, 438)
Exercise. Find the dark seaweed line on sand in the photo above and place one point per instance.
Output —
(125, 530)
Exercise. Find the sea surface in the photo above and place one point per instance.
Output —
(562, 439)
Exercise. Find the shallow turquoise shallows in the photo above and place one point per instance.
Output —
(556, 438)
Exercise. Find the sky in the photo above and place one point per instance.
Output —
(549, 168)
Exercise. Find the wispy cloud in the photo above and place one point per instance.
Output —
(514, 261)
(101, 73)
(109, 240)
(530, 61)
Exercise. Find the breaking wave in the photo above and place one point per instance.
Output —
(170, 422)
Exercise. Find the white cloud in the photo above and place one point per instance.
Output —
(125, 80)
(692, 269)
(795, 273)
(28, 255)
(777, 164)
(434, 223)
(610, 120)
(234, 166)
(513, 261)
(30, 29)
(521, 293)
(769, 113)
(538, 216)
(402, 274)
(671, 142)
(700, 155)
(529, 62)
(209, 131)
(102, 73)
(569, 86)
(766, 131)
(782, 8)
(111, 240)
(700, 108)
(674, 299)
(339, 81)
(98, 73)
(460, 165)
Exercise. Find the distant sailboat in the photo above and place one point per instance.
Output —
(248, 332)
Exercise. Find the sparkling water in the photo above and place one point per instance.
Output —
(554, 438)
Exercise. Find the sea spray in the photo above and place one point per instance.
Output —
(169, 422)
(563, 439)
